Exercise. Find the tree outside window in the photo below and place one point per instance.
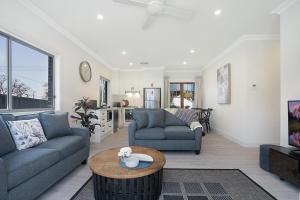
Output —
(26, 82)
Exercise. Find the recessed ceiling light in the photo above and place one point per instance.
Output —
(131, 63)
(124, 52)
(100, 16)
(218, 12)
(192, 51)
(184, 62)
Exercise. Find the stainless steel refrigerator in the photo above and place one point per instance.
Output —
(152, 98)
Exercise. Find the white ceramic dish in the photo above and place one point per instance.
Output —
(142, 157)
(131, 162)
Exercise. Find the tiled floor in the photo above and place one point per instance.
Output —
(217, 152)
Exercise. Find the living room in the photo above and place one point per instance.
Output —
(220, 76)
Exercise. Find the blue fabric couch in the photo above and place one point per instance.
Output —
(162, 130)
(26, 174)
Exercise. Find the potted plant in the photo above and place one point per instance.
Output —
(84, 114)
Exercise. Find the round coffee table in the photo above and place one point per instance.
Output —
(111, 181)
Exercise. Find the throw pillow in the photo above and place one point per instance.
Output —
(187, 115)
(26, 133)
(172, 120)
(141, 118)
(156, 119)
(55, 125)
(6, 142)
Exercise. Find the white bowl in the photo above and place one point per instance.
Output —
(131, 162)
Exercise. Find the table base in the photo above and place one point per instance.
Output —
(143, 188)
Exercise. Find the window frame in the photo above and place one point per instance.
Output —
(181, 92)
(101, 102)
(9, 108)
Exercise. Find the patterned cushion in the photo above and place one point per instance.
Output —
(187, 115)
(26, 133)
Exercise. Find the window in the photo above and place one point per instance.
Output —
(26, 76)
(3, 72)
(104, 91)
(182, 95)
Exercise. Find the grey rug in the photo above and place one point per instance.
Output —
(199, 184)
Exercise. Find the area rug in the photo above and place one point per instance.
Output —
(199, 184)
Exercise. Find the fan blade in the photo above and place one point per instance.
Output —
(141, 3)
(178, 12)
(149, 21)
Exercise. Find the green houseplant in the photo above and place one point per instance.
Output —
(83, 112)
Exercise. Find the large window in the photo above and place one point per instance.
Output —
(104, 91)
(182, 95)
(26, 76)
(3, 72)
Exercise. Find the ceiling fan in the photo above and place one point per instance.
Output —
(156, 8)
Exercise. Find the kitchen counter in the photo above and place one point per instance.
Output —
(117, 108)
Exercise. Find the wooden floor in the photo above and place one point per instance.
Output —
(217, 153)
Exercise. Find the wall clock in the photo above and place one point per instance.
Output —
(85, 71)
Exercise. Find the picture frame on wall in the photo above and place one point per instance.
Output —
(224, 84)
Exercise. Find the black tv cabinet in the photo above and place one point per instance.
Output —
(285, 164)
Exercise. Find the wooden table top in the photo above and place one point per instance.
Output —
(106, 163)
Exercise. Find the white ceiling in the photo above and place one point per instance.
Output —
(168, 41)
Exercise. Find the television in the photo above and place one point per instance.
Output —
(294, 124)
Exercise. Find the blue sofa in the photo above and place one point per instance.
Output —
(26, 174)
(162, 130)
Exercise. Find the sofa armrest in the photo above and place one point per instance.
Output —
(131, 133)
(198, 138)
(3, 181)
(84, 132)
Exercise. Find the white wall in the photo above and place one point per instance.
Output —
(182, 76)
(252, 118)
(17, 20)
(128, 79)
(139, 79)
(142, 78)
(290, 63)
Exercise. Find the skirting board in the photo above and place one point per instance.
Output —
(240, 142)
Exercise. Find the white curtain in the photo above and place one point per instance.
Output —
(198, 92)
(166, 92)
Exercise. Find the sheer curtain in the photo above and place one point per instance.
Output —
(198, 92)
(166, 92)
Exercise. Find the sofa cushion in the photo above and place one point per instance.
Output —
(26, 117)
(31, 116)
(172, 120)
(179, 133)
(24, 164)
(187, 115)
(55, 125)
(150, 134)
(141, 118)
(26, 133)
(8, 117)
(156, 119)
(6, 142)
(66, 145)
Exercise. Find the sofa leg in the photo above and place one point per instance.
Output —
(197, 152)
(84, 162)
